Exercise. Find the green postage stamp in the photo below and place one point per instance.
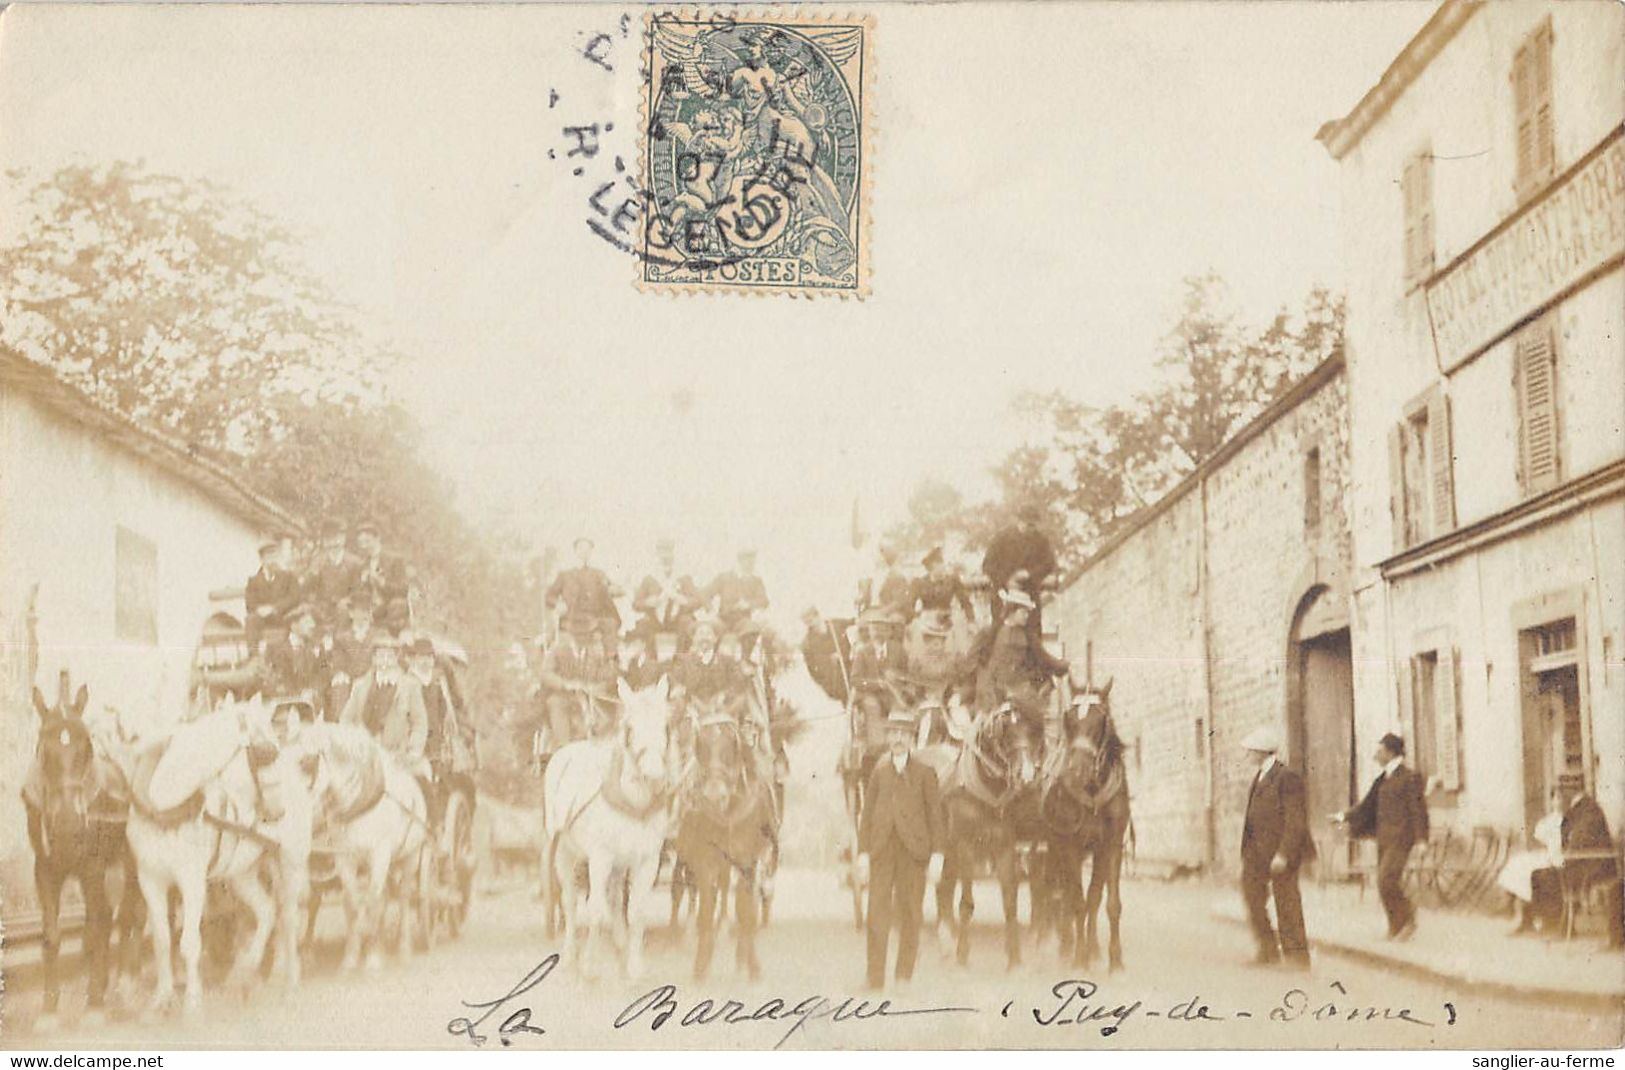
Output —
(755, 153)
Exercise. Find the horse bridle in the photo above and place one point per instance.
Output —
(73, 789)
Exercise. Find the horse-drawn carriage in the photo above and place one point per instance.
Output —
(439, 888)
(1031, 777)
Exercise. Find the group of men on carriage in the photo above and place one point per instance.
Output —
(330, 627)
(709, 643)
(959, 750)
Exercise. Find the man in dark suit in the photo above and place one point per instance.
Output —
(1275, 842)
(1020, 557)
(901, 839)
(1395, 812)
(879, 657)
(586, 592)
(739, 595)
(268, 595)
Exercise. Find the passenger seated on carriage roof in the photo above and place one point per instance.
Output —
(383, 579)
(736, 596)
(268, 594)
(940, 588)
(389, 704)
(332, 578)
(585, 592)
(666, 598)
(879, 655)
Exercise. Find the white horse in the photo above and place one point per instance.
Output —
(374, 820)
(608, 803)
(255, 809)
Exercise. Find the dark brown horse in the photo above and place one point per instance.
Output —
(725, 831)
(1084, 805)
(989, 792)
(76, 828)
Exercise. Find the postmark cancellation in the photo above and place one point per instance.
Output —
(755, 152)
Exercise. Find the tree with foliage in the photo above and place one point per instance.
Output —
(173, 302)
(1091, 466)
(188, 309)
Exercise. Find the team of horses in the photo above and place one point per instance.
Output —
(1008, 793)
(237, 796)
(678, 774)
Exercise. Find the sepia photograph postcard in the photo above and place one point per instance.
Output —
(874, 526)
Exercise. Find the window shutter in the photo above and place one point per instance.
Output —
(1396, 484)
(1523, 117)
(1407, 195)
(1443, 489)
(1537, 408)
(1544, 159)
(1407, 704)
(1447, 749)
(1424, 214)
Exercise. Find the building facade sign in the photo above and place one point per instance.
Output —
(1577, 228)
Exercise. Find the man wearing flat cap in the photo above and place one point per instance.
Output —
(1275, 842)
(586, 592)
(268, 595)
(901, 838)
(1395, 813)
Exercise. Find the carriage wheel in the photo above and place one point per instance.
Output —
(423, 897)
(457, 850)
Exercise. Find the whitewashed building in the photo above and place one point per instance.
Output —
(111, 538)
(1483, 189)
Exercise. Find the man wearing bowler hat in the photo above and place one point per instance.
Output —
(901, 839)
(1275, 842)
(1395, 813)
(389, 704)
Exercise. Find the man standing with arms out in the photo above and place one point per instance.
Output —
(901, 838)
(586, 592)
(1275, 842)
(1395, 812)
(1020, 557)
(665, 599)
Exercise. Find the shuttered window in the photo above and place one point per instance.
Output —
(1434, 717)
(1535, 383)
(1532, 109)
(1421, 463)
(1416, 191)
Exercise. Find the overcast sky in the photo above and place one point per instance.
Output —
(1043, 178)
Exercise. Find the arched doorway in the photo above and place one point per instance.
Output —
(1320, 703)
